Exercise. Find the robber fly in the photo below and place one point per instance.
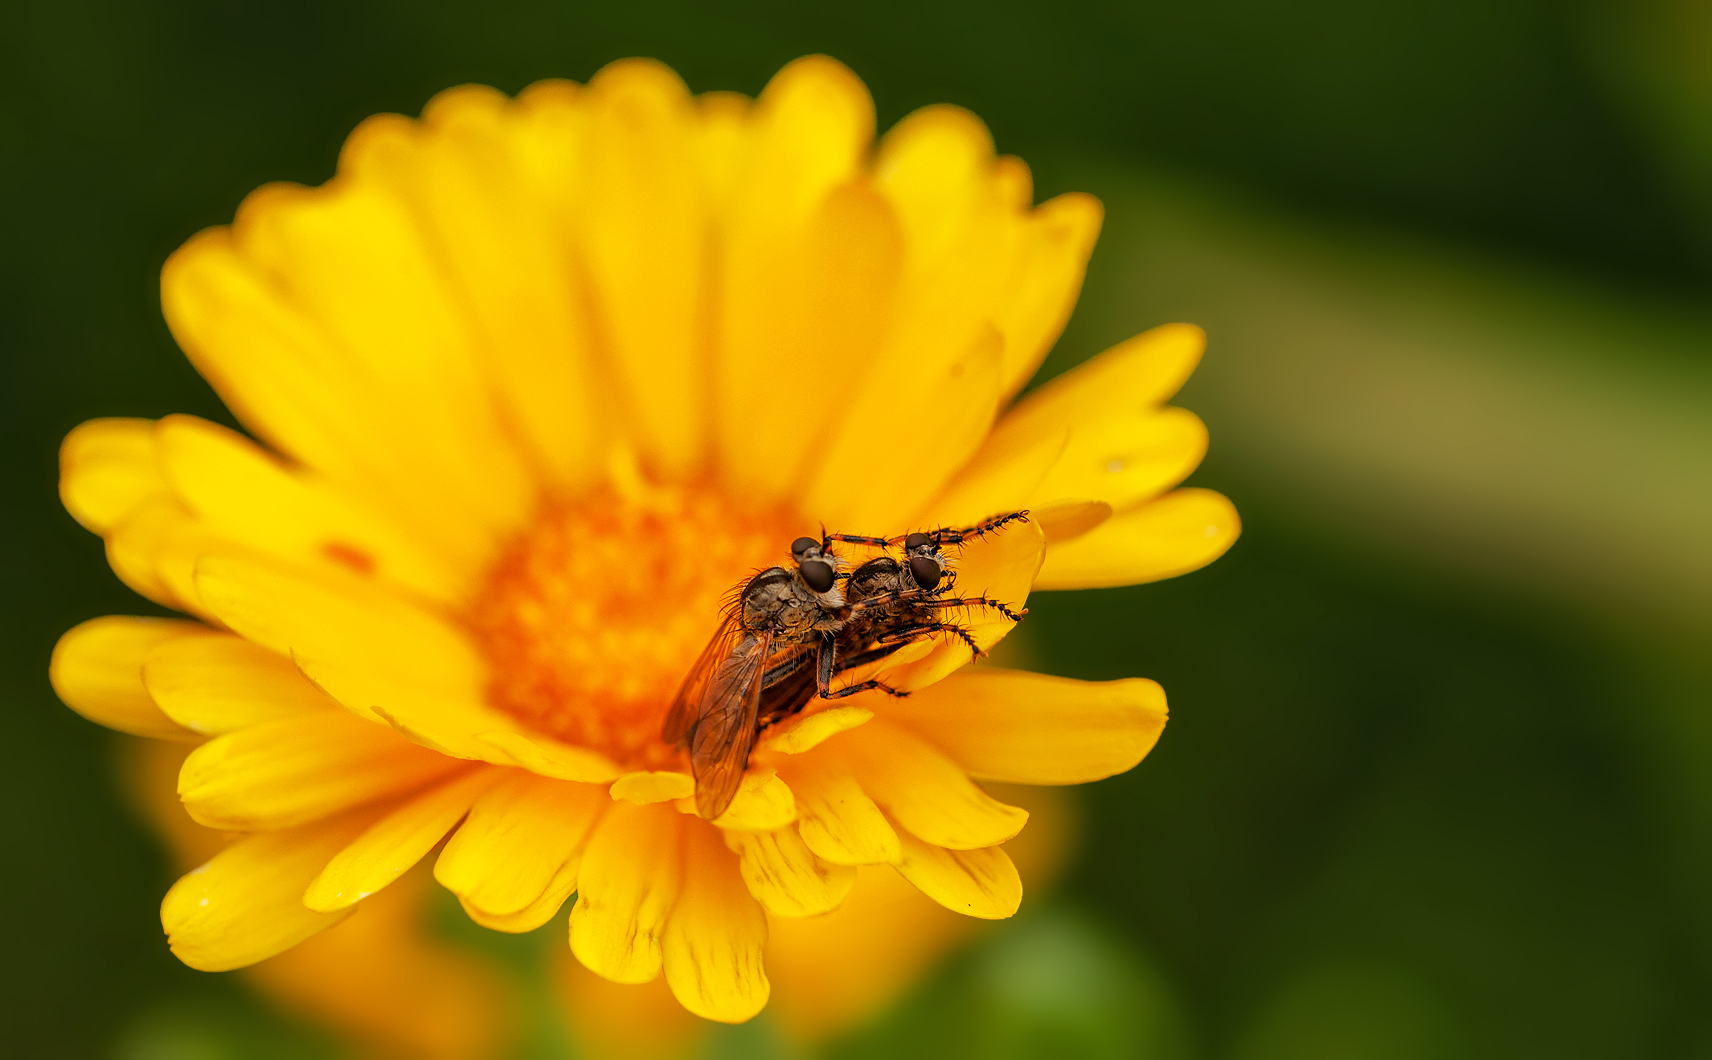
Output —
(888, 604)
(788, 632)
(768, 626)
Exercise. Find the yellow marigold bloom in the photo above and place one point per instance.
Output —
(538, 380)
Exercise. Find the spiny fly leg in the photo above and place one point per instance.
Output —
(864, 686)
(891, 596)
(856, 539)
(948, 535)
(976, 601)
(907, 634)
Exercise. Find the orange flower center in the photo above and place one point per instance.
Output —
(594, 614)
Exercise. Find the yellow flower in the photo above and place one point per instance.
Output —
(538, 380)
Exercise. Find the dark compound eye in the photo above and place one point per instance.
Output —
(917, 540)
(818, 574)
(925, 571)
(803, 545)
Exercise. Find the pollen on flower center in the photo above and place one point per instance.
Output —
(594, 614)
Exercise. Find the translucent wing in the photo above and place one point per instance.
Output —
(724, 731)
(686, 708)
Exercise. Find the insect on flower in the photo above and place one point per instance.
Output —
(791, 631)
(775, 613)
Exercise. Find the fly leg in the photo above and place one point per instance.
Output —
(930, 598)
(947, 535)
(975, 601)
(887, 598)
(905, 634)
(854, 539)
(890, 642)
(823, 682)
(864, 686)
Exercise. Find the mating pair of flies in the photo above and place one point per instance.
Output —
(787, 632)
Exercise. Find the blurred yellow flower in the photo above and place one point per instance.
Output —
(541, 379)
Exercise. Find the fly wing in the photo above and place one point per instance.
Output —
(725, 731)
(686, 708)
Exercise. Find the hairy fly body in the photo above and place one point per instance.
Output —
(771, 621)
(788, 632)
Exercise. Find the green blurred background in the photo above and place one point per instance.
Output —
(1438, 780)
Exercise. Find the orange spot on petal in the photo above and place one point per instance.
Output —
(349, 555)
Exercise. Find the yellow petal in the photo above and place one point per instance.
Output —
(763, 803)
(722, 141)
(286, 379)
(938, 376)
(944, 404)
(397, 841)
(379, 655)
(835, 312)
(517, 837)
(936, 165)
(1068, 519)
(1033, 729)
(138, 544)
(559, 888)
(310, 619)
(1137, 373)
(497, 186)
(807, 731)
(1042, 286)
(1115, 446)
(1178, 533)
(1015, 182)
(107, 470)
(838, 821)
(923, 790)
(221, 683)
(1002, 476)
(644, 230)
(807, 135)
(980, 883)
(322, 321)
(247, 903)
(647, 787)
(629, 880)
(785, 876)
(716, 936)
(352, 258)
(550, 758)
(290, 388)
(1128, 458)
(237, 491)
(97, 670)
(283, 773)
